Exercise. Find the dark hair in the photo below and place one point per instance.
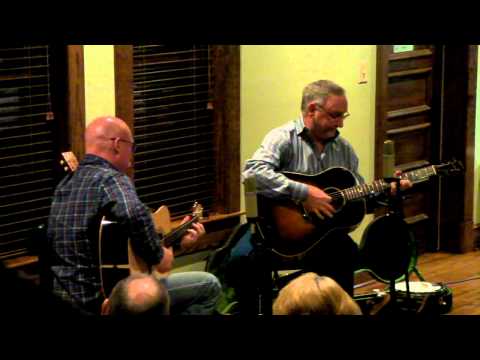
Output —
(122, 303)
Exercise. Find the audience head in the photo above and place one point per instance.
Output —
(310, 294)
(138, 294)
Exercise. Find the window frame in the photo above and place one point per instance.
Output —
(226, 102)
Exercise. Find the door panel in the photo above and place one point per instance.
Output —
(410, 90)
(411, 145)
(425, 103)
(407, 105)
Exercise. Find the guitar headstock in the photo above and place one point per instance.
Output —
(69, 161)
(453, 167)
(197, 210)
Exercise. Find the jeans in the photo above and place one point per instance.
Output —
(193, 293)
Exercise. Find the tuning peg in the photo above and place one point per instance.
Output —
(197, 209)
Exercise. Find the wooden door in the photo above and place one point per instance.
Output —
(425, 105)
(408, 94)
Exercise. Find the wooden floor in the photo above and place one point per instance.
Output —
(460, 272)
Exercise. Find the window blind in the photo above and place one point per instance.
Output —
(27, 141)
(173, 126)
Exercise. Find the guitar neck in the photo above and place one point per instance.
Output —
(173, 237)
(420, 175)
(379, 186)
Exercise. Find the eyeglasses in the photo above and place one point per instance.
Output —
(134, 146)
(334, 115)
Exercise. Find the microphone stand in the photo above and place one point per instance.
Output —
(395, 208)
(263, 267)
(261, 253)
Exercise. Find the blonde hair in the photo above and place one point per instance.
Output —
(310, 294)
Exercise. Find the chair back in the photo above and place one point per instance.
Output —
(38, 246)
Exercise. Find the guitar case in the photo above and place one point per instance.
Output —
(387, 250)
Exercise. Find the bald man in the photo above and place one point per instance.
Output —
(100, 187)
(137, 295)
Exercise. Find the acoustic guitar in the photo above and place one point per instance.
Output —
(296, 231)
(171, 237)
(117, 259)
(115, 254)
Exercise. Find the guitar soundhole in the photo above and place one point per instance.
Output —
(338, 200)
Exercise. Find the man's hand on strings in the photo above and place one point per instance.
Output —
(319, 202)
(192, 235)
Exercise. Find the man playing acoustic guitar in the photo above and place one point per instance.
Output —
(100, 187)
(309, 145)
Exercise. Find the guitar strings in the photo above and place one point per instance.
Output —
(357, 190)
(360, 189)
(365, 189)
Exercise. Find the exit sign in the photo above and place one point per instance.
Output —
(402, 48)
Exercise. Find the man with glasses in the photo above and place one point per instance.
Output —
(309, 145)
(100, 187)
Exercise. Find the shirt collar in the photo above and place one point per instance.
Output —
(91, 159)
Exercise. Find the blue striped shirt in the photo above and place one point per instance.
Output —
(80, 200)
(291, 148)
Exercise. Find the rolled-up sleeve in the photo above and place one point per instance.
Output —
(265, 164)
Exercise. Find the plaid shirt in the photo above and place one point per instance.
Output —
(94, 190)
(291, 148)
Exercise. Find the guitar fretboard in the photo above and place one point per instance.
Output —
(379, 186)
(176, 234)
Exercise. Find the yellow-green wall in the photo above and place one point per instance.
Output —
(272, 80)
(99, 81)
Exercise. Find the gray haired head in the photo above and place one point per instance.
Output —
(319, 91)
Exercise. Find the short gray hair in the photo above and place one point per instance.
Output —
(319, 91)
